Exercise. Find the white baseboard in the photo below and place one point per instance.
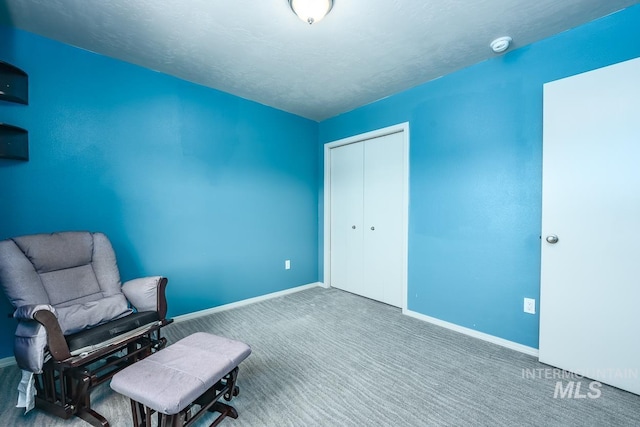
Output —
(473, 333)
(248, 301)
(7, 361)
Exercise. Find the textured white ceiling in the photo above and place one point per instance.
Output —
(362, 51)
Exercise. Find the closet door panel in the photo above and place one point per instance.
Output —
(347, 185)
(383, 218)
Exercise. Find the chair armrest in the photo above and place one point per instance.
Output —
(55, 338)
(38, 327)
(26, 312)
(147, 294)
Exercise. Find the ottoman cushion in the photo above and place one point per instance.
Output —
(171, 379)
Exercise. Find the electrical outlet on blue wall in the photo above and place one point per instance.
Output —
(530, 305)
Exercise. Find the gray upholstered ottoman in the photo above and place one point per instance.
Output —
(192, 373)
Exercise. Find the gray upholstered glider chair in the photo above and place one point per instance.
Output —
(77, 324)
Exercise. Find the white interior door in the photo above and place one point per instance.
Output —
(590, 278)
(383, 218)
(347, 183)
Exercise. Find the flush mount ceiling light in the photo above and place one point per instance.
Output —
(311, 11)
(500, 44)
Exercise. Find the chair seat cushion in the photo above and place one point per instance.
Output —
(110, 330)
(75, 318)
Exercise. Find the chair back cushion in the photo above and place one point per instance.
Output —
(74, 271)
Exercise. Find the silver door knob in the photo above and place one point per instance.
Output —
(353, 226)
(552, 239)
(373, 228)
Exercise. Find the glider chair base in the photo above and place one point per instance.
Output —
(64, 387)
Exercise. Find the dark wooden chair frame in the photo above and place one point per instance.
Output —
(64, 387)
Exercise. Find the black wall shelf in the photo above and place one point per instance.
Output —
(14, 84)
(14, 142)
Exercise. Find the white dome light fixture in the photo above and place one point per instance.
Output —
(311, 11)
(501, 44)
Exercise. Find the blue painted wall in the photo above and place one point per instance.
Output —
(211, 190)
(476, 170)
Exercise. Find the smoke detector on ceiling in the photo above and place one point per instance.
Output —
(500, 44)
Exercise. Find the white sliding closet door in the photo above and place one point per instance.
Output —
(590, 276)
(367, 180)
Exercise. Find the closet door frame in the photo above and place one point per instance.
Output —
(399, 128)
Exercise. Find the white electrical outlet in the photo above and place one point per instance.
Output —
(287, 264)
(530, 305)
